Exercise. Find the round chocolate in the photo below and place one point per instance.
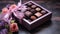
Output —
(33, 11)
(38, 9)
(29, 4)
(28, 13)
(33, 6)
(33, 17)
(28, 8)
(43, 11)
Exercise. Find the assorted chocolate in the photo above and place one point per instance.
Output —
(43, 12)
(33, 17)
(28, 13)
(38, 14)
(28, 8)
(38, 9)
(29, 4)
(33, 12)
(33, 6)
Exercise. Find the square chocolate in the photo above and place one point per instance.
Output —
(28, 13)
(38, 9)
(38, 14)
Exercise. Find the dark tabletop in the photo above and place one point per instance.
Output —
(50, 27)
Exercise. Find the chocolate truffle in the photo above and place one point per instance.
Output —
(43, 11)
(33, 17)
(33, 10)
(28, 8)
(29, 4)
(33, 6)
(28, 13)
(38, 9)
(38, 14)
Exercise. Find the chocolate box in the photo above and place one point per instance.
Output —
(38, 21)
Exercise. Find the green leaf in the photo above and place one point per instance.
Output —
(12, 21)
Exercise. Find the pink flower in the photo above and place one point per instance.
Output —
(5, 10)
(14, 27)
(13, 6)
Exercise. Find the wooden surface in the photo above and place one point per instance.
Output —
(50, 27)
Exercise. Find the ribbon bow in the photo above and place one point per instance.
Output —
(14, 9)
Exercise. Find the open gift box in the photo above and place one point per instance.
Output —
(35, 17)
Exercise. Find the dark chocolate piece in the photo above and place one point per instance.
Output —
(33, 11)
